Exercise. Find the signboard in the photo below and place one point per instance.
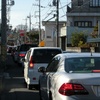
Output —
(21, 32)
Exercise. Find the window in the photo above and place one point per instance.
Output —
(95, 3)
(44, 55)
(83, 23)
(82, 64)
(53, 65)
(80, 2)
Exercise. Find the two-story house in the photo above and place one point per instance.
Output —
(82, 15)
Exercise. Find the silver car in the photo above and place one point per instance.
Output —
(71, 76)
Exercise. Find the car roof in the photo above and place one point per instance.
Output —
(29, 44)
(45, 48)
(69, 51)
(80, 54)
(9, 46)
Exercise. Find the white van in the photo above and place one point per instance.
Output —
(35, 58)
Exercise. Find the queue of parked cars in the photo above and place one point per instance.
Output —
(71, 76)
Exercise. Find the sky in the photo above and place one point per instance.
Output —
(23, 8)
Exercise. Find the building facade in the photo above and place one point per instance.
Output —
(82, 15)
(50, 35)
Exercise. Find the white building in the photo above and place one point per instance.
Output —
(50, 37)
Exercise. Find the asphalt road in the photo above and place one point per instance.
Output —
(14, 87)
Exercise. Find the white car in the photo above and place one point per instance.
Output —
(71, 76)
(36, 57)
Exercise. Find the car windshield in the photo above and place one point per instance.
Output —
(83, 64)
(45, 55)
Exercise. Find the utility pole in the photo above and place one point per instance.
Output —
(29, 21)
(39, 21)
(39, 5)
(57, 23)
(25, 28)
(56, 3)
(3, 35)
(10, 3)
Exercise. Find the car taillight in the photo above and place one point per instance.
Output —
(96, 71)
(31, 63)
(69, 89)
(22, 55)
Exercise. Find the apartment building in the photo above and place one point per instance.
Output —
(82, 15)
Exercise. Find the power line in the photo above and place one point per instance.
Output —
(61, 8)
(48, 15)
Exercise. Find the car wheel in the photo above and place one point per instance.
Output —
(29, 86)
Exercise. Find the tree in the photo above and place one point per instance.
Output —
(78, 39)
(94, 34)
(34, 36)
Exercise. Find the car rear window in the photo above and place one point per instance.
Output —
(44, 55)
(26, 47)
(80, 65)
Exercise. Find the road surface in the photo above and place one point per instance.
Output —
(14, 87)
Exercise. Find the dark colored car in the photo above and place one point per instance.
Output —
(21, 52)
